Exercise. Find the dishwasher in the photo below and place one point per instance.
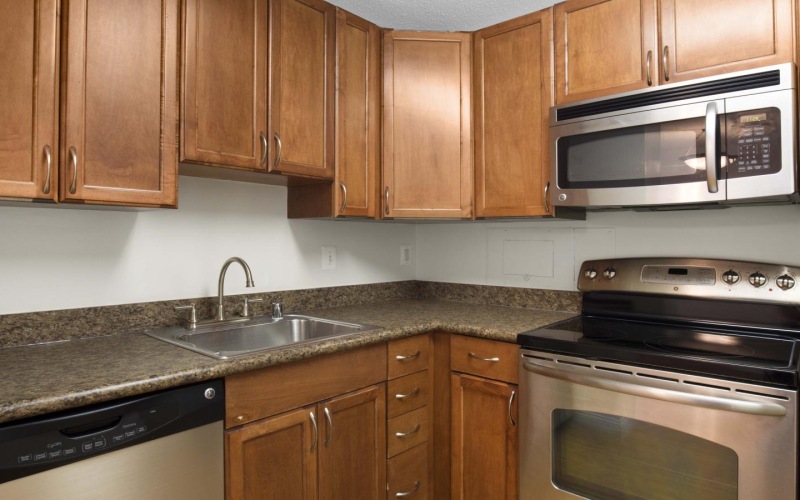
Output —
(164, 445)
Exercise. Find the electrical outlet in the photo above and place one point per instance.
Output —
(328, 258)
(405, 255)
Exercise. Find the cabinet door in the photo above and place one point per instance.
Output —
(484, 439)
(427, 154)
(718, 36)
(604, 47)
(301, 87)
(352, 449)
(225, 83)
(120, 102)
(512, 99)
(274, 458)
(28, 101)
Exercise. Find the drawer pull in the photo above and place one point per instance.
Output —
(409, 433)
(408, 493)
(316, 430)
(410, 395)
(328, 437)
(401, 357)
(475, 356)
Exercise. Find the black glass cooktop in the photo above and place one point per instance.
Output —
(736, 353)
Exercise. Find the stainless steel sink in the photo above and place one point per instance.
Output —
(223, 341)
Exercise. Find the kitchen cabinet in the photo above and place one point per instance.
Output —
(224, 97)
(427, 150)
(604, 47)
(354, 191)
(512, 97)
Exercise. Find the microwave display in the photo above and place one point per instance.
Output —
(754, 143)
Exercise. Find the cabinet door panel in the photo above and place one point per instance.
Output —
(28, 102)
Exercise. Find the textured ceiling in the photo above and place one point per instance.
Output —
(440, 15)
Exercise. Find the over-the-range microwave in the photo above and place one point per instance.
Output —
(718, 140)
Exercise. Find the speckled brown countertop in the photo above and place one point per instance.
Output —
(52, 377)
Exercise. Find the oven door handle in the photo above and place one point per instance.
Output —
(567, 373)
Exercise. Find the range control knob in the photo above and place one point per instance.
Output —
(590, 274)
(757, 279)
(609, 273)
(731, 277)
(785, 282)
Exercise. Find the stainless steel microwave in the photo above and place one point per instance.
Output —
(724, 139)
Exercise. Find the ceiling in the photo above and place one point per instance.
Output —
(440, 15)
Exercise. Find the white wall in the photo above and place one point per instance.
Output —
(55, 258)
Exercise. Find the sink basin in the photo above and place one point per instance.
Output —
(223, 341)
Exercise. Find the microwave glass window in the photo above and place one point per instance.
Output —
(602, 456)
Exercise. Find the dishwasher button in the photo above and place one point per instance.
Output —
(142, 429)
(87, 446)
(118, 438)
(38, 457)
(130, 434)
(54, 454)
(24, 459)
(70, 451)
(99, 442)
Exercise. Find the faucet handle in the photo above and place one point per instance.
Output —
(246, 308)
(277, 310)
(192, 315)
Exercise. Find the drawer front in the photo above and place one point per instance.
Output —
(407, 475)
(408, 355)
(485, 358)
(407, 431)
(407, 393)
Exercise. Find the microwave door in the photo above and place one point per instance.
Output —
(652, 157)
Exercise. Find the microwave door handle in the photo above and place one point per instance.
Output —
(711, 147)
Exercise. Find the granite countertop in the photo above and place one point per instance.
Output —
(52, 377)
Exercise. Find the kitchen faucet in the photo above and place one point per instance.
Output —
(221, 285)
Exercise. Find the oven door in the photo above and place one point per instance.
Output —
(591, 429)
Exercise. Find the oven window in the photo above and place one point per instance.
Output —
(603, 456)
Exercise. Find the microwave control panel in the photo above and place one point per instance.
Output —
(754, 142)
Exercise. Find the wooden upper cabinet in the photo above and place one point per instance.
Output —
(704, 38)
(28, 100)
(119, 102)
(301, 88)
(512, 96)
(427, 151)
(225, 83)
(604, 47)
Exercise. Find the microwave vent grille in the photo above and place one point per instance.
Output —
(680, 93)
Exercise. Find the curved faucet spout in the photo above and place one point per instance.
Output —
(221, 285)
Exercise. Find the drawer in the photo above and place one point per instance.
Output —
(408, 473)
(407, 393)
(485, 358)
(406, 431)
(408, 355)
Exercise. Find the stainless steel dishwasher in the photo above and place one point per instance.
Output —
(164, 445)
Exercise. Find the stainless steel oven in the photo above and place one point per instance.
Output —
(722, 139)
(679, 380)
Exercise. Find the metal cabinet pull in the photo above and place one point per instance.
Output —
(328, 437)
(711, 147)
(408, 493)
(264, 149)
(278, 152)
(665, 62)
(401, 357)
(510, 403)
(48, 160)
(386, 197)
(409, 433)
(410, 395)
(316, 430)
(73, 160)
(648, 65)
(475, 356)
(547, 197)
(344, 197)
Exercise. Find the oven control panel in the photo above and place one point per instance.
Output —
(708, 278)
(754, 142)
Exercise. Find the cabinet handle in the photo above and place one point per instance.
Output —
(344, 197)
(409, 433)
(328, 437)
(48, 160)
(475, 356)
(410, 395)
(510, 403)
(264, 148)
(73, 160)
(386, 199)
(665, 62)
(401, 357)
(278, 152)
(648, 65)
(408, 493)
(547, 197)
(316, 430)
